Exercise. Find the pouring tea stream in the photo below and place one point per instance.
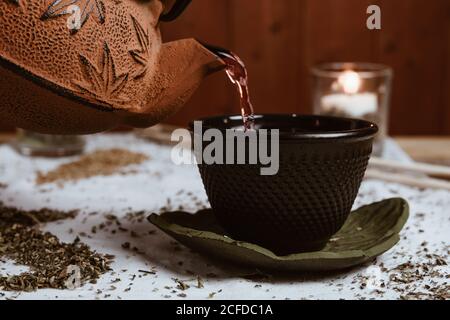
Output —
(113, 70)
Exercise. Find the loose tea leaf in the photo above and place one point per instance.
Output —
(51, 262)
(98, 163)
(181, 285)
(200, 284)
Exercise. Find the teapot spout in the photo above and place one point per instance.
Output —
(182, 66)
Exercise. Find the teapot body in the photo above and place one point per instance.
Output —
(85, 66)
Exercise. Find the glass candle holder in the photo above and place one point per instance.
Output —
(31, 143)
(355, 90)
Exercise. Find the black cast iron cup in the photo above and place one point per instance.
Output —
(322, 161)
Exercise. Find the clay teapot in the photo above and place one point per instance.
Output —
(85, 66)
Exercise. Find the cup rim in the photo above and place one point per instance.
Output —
(361, 128)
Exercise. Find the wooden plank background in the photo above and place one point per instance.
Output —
(281, 39)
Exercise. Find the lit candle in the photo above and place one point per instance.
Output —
(351, 101)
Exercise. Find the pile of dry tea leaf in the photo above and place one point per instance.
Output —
(51, 262)
(98, 163)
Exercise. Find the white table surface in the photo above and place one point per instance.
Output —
(148, 189)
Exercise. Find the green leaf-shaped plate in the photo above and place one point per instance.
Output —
(369, 232)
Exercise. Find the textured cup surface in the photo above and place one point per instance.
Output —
(322, 164)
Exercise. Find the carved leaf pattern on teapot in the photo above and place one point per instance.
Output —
(102, 83)
(141, 55)
(86, 9)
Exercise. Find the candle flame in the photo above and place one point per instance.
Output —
(350, 82)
